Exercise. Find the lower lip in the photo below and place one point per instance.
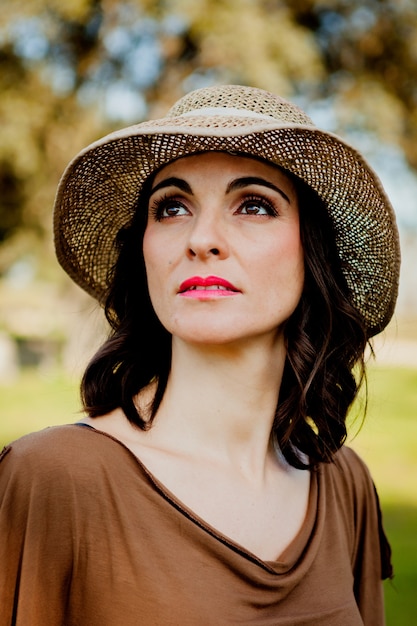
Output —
(207, 294)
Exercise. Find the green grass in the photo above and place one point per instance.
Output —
(387, 441)
(35, 401)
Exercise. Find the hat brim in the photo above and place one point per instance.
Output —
(99, 191)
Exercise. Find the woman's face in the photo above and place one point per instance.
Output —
(222, 248)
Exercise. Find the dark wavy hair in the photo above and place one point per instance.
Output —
(325, 339)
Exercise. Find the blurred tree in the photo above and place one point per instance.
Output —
(74, 69)
(41, 125)
(369, 50)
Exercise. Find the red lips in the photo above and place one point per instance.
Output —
(209, 283)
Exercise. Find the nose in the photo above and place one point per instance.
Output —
(208, 238)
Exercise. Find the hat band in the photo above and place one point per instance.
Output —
(226, 112)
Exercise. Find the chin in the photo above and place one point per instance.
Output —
(207, 338)
(231, 337)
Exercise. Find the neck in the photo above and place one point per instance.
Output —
(221, 401)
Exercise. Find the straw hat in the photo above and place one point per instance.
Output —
(99, 190)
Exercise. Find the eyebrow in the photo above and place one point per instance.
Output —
(173, 182)
(238, 183)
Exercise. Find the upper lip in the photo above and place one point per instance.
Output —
(208, 281)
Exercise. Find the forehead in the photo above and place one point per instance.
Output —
(208, 164)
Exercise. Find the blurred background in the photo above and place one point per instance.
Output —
(73, 70)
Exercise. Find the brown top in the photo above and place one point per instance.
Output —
(89, 537)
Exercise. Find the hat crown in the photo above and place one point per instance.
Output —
(241, 101)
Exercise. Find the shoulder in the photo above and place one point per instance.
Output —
(62, 473)
(55, 456)
(53, 444)
(349, 471)
(353, 489)
(348, 483)
(348, 465)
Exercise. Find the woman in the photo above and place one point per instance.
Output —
(244, 259)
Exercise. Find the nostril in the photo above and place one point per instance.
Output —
(204, 252)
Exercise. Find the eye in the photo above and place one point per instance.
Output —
(257, 205)
(165, 207)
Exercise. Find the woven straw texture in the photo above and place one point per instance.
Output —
(98, 192)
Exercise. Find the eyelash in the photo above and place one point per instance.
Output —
(164, 202)
(262, 202)
(160, 204)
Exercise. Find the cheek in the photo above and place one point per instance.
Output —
(284, 268)
(148, 246)
(296, 271)
(296, 253)
(152, 263)
(286, 254)
(158, 257)
(153, 252)
(159, 246)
